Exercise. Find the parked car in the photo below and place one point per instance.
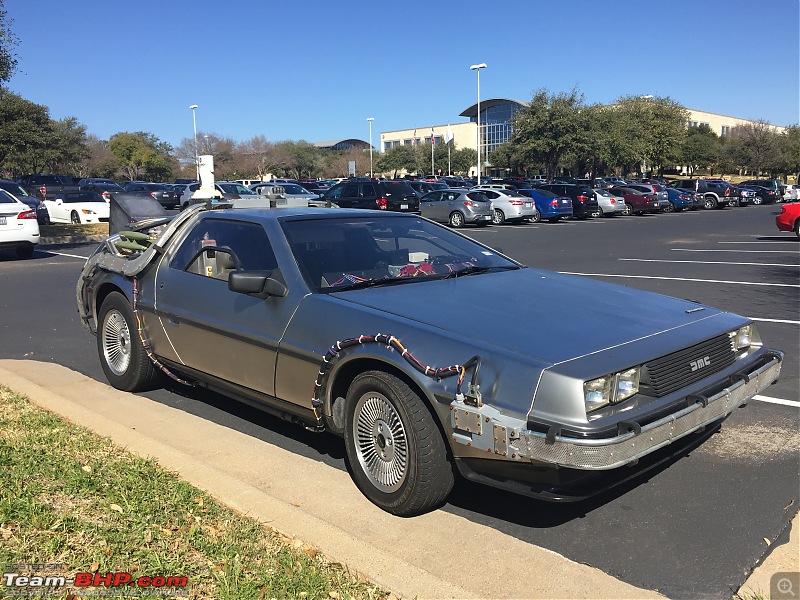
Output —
(290, 190)
(104, 188)
(789, 218)
(457, 207)
(548, 205)
(584, 200)
(76, 207)
(19, 230)
(423, 187)
(19, 192)
(790, 193)
(743, 196)
(715, 192)
(773, 185)
(163, 193)
(761, 194)
(609, 205)
(226, 194)
(266, 305)
(381, 195)
(680, 199)
(698, 201)
(509, 205)
(637, 202)
(45, 187)
(660, 191)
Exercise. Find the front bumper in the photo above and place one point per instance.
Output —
(610, 453)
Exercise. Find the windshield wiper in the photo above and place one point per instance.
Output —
(388, 280)
(474, 269)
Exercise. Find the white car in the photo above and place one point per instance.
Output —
(608, 204)
(19, 230)
(77, 207)
(790, 193)
(508, 205)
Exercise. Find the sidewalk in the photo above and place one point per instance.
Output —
(437, 555)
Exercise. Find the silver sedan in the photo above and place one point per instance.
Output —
(457, 207)
(508, 205)
(608, 204)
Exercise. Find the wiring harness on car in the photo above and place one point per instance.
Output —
(391, 342)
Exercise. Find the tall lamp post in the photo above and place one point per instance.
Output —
(194, 122)
(478, 69)
(370, 120)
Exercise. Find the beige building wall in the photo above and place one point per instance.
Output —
(722, 125)
(464, 136)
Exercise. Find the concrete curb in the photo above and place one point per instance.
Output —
(71, 239)
(438, 555)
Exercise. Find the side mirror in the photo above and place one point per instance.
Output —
(256, 283)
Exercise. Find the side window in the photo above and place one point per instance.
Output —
(350, 190)
(215, 247)
(368, 190)
(335, 192)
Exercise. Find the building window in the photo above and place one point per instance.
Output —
(406, 142)
(692, 123)
(726, 130)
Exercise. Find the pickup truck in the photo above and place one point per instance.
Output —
(715, 192)
(45, 187)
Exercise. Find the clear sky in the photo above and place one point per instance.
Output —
(316, 69)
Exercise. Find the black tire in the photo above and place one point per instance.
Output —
(797, 228)
(537, 216)
(596, 213)
(709, 202)
(498, 218)
(397, 455)
(74, 217)
(669, 208)
(456, 220)
(758, 200)
(122, 355)
(24, 252)
(628, 210)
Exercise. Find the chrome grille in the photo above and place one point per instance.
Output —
(674, 371)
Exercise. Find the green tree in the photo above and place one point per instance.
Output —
(789, 144)
(547, 129)
(142, 155)
(26, 134)
(8, 41)
(757, 147)
(398, 158)
(701, 148)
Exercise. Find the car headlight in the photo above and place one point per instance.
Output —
(743, 338)
(86, 211)
(611, 389)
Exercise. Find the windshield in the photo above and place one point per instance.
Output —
(339, 253)
(235, 188)
(6, 198)
(292, 188)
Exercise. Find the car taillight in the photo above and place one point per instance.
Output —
(582, 199)
(727, 192)
(613, 201)
(468, 203)
(43, 190)
(516, 202)
(106, 196)
(153, 194)
(382, 203)
(554, 202)
(28, 214)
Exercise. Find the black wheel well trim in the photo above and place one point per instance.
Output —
(342, 376)
(102, 292)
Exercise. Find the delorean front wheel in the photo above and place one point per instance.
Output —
(397, 455)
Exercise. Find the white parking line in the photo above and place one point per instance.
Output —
(65, 254)
(709, 262)
(780, 401)
(683, 279)
(739, 251)
(762, 242)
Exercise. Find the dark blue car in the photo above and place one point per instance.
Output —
(549, 206)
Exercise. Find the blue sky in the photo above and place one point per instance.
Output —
(316, 69)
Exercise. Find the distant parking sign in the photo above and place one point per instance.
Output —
(351, 168)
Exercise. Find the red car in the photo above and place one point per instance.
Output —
(636, 202)
(789, 218)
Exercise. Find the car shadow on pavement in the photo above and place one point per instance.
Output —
(529, 512)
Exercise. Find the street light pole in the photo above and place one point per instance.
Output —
(194, 122)
(370, 119)
(478, 69)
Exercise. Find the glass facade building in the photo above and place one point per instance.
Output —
(496, 116)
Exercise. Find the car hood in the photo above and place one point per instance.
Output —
(540, 314)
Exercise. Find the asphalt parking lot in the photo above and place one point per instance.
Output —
(696, 527)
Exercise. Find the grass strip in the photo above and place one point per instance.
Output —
(70, 497)
(66, 229)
